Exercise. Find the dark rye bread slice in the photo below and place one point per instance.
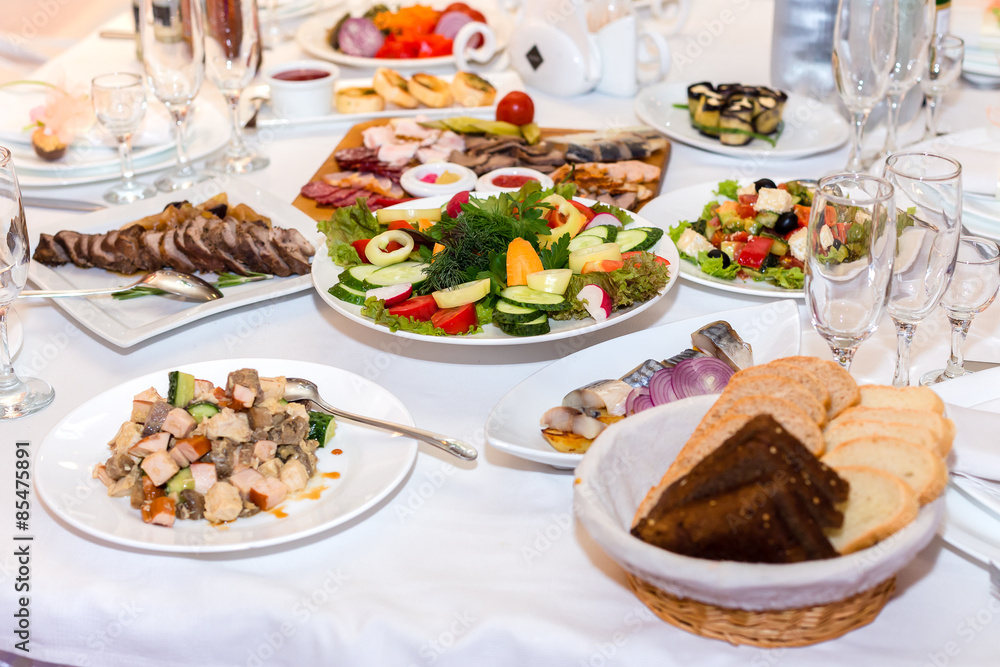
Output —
(785, 494)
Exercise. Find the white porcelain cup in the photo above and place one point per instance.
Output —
(302, 99)
(482, 53)
(619, 45)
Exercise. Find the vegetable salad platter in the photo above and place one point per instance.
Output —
(747, 238)
(226, 465)
(506, 269)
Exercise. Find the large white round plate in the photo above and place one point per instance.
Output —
(687, 204)
(811, 127)
(771, 329)
(373, 463)
(325, 275)
(312, 38)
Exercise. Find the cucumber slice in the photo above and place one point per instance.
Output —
(395, 274)
(606, 232)
(321, 427)
(355, 276)
(180, 389)
(638, 238)
(203, 410)
(535, 327)
(584, 241)
(348, 294)
(523, 296)
(508, 313)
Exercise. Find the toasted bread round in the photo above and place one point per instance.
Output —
(471, 90)
(766, 385)
(835, 434)
(359, 100)
(839, 383)
(878, 505)
(912, 398)
(393, 88)
(919, 467)
(794, 372)
(430, 90)
(942, 428)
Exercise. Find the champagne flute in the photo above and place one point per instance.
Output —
(973, 288)
(944, 65)
(18, 396)
(173, 45)
(928, 194)
(232, 53)
(865, 34)
(119, 104)
(916, 27)
(850, 240)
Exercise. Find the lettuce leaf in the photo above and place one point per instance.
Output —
(376, 310)
(641, 279)
(678, 229)
(728, 189)
(601, 207)
(787, 278)
(713, 266)
(348, 224)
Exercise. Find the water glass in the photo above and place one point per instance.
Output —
(944, 65)
(928, 195)
(232, 54)
(119, 104)
(973, 288)
(864, 50)
(916, 27)
(850, 252)
(19, 397)
(173, 45)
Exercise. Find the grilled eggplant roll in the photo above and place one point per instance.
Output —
(737, 116)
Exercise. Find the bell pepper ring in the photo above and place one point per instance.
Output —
(376, 251)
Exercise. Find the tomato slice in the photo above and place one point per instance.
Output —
(602, 266)
(582, 208)
(456, 320)
(802, 213)
(360, 246)
(420, 308)
(741, 237)
(748, 199)
(746, 210)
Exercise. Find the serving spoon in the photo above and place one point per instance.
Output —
(297, 389)
(173, 282)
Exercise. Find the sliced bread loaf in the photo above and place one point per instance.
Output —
(841, 386)
(911, 398)
(923, 470)
(879, 504)
(942, 428)
(767, 385)
(790, 416)
(835, 434)
(805, 377)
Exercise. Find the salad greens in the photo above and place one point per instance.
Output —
(348, 224)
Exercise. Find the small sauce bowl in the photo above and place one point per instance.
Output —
(512, 175)
(420, 180)
(302, 88)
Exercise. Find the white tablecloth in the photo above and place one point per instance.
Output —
(467, 564)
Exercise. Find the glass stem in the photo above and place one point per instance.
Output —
(7, 377)
(236, 145)
(843, 356)
(956, 362)
(904, 337)
(932, 102)
(854, 159)
(179, 115)
(892, 122)
(125, 153)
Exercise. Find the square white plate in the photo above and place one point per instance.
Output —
(131, 321)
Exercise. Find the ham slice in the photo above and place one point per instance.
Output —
(148, 445)
(268, 492)
(204, 476)
(179, 423)
(159, 467)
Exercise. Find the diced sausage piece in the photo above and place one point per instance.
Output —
(204, 476)
(140, 411)
(195, 447)
(268, 492)
(245, 479)
(244, 395)
(294, 475)
(223, 502)
(102, 474)
(179, 457)
(154, 443)
(159, 466)
(162, 511)
(264, 450)
(179, 423)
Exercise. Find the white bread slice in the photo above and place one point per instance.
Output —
(911, 398)
(920, 468)
(790, 416)
(806, 378)
(697, 447)
(839, 383)
(879, 504)
(767, 385)
(942, 427)
(858, 428)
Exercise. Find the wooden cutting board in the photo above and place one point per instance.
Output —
(354, 138)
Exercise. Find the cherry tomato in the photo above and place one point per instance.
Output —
(517, 108)
(454, 207)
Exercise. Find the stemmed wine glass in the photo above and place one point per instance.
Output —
(865, 34)
(916, 27)
(18, 396)
(119, 104)
(173, 47)
(928, 194)
(232, 53)
(973, 288)
(944, 65)
(850, 252)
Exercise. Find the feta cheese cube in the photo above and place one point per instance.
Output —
(691, 243)
(798, 244)
(749, 189)
(773, 199)
(825, 237)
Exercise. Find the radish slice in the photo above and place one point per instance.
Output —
(360, 37)
(391, 294)
(596, 301)
(603, 219)
(450, 23)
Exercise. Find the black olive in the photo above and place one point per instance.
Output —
(175, 204)
(786, 223)
(715, 252)
(219, 211)
(764, 183)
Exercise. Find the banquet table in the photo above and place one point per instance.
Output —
(466, 563)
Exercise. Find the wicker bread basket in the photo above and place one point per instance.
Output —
(760, 604)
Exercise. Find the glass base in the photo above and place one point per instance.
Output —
(126, 192)
(238, 165)
(180, 179)
(26, 397)
(933, 377)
